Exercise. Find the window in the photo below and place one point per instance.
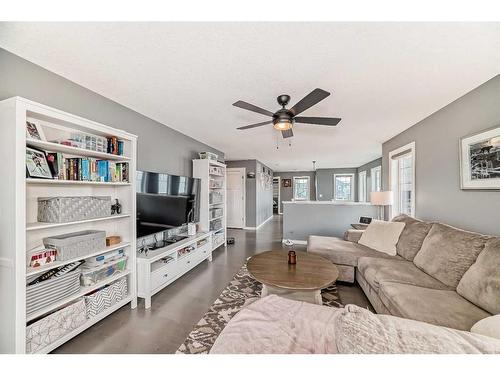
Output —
(362, 186)
(343, 187)
(402, 177)
(301, 188)
(376, 177)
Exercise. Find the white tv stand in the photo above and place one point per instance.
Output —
(154, 273)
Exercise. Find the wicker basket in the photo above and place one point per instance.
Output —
(77, 244)
(66, 209)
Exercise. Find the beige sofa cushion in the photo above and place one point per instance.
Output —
(481, 283)
(377, 270)
(340, 251)
(489, 326)
(358, 331)
(448, 252)
(382, 236)
(441, 307)
(412, 237)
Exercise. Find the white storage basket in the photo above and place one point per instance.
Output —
(76, 244)
(45, 331)
(106, 297)
(208, 155)
(66, 209)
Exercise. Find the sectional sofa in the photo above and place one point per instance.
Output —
(441, 275)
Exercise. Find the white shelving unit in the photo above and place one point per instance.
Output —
(21, 231)
(213, 183)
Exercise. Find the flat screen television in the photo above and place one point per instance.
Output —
(165, 201)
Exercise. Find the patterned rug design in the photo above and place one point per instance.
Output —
(241, 291)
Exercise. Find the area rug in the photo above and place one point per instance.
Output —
(241, 291)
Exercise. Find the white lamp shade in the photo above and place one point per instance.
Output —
(381, 198)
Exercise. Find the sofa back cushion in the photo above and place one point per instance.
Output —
(481, 283)
(412, 237)
(448, 252)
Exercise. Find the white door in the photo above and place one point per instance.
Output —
(235, 186)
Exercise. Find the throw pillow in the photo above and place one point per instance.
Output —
(489, 326)
(382, 236)
(412, 237)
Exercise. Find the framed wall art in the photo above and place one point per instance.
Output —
(480, 160)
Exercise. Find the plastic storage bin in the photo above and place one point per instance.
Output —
(93, 275)
(100, 259)
(66, 209)
(51, 328)
(106, 297)
(45, 293)
(76, 244)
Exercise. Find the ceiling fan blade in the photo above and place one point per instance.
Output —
(255, 125)
(287, 133)
(309, 100)
(253, 108)
(331, 121)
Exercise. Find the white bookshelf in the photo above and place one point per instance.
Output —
(21, 231)
(202, 170)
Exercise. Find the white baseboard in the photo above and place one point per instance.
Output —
(295, 242)
(260, 225)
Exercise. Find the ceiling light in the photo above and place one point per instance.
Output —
(283, 124)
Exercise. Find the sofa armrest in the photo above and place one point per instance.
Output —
(353, 235)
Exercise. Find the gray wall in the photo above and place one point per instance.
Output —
(258, 200)
(286, 194)
(438, 194)
(159, 148)
(325, 182)
(300, 220)
(368, 168)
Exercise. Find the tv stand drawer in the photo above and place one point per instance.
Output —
(163, 275)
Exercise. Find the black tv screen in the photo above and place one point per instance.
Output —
(165, 201)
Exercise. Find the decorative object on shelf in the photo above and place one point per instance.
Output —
(113, 240)
(480, 160)
(116, 208)
(191, 229)
(40, 256)
(37, 165)
(34, 131)
(208, 155)
(292, 257)
(68, 209)
(381, 199)
(287, 182)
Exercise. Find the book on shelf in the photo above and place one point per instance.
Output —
(87, 169)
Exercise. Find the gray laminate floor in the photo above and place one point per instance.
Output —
(176, 309)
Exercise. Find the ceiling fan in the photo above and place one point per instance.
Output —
(284, 119)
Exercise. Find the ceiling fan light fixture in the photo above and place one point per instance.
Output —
(283, 124)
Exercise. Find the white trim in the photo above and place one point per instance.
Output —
(353, 176)
(244, 175)
(308, 188)
(362, 197)
(260, 225)
(295, 242)
(279, 194)
(372, 178)
(412, 149)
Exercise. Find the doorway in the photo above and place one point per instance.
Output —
(235, 186)
(276, 195)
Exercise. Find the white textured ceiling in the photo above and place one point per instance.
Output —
(384, 77)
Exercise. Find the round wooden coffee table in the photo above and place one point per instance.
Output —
(302, 281)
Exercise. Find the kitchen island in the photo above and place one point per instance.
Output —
(322, 218)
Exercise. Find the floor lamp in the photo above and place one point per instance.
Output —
(381, 199)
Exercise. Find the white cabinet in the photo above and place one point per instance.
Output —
(213, 216)
(18, 201)
(159, 268)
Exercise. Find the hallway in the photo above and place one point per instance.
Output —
(177, 308)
